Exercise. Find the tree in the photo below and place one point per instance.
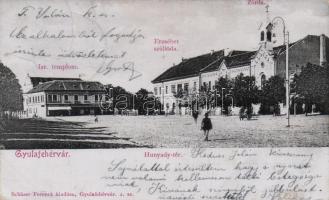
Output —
(272, 93)
(312, 86)
(182, 99)
(122, 99)
(245, 92)
(145, 103)
(179, 94)
(11, 97)
(204, 96)
(225, 85)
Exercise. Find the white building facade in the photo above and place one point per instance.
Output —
(64, 98)
(205, 70)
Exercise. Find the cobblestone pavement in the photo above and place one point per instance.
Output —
(182, 132)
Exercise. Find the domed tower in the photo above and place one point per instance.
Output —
(266, 34)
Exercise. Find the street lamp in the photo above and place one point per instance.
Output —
(286, 41)
(223, 98)
(222, 101)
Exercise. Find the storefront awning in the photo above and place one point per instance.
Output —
(60, 108)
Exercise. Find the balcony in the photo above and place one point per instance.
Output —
(77, 102)
(52, 101)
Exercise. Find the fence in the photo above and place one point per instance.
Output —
(20, 114)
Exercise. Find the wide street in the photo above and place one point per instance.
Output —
(166, 132)
(181, 131)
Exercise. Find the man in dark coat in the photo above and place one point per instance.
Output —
(206, 126)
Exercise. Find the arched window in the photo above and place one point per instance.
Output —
(262, 80)
(269, 36)
(262, 36)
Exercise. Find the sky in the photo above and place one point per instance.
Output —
(197, 27)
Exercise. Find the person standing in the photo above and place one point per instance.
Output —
(95, 118)
(195, 115)
(206, 126)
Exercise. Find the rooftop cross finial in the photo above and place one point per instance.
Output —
(267, 13)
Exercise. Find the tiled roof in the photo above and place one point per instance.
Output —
(282, 48)
(213, 66)
(37, 80)
(68, 85)
(210, 62)
(237, 52)
(189, 67)
(205, 63)
(239, 60)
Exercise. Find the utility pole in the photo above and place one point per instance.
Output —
(287, 80)
(286, 42)
(222, 100)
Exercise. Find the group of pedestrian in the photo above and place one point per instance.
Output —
(206, 124)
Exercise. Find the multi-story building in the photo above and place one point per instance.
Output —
(64, 97)
(205, 70)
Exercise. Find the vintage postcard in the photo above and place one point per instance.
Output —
(164, 100)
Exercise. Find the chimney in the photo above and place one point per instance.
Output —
(323, 56)
(212, 52)
(227, 51)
